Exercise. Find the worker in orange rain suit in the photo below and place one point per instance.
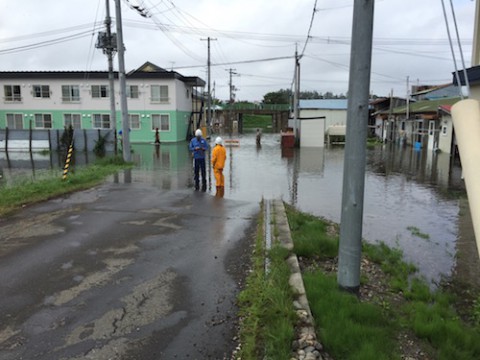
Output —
(219, 156)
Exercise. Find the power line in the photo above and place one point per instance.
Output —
(237, 62)
(46, 43)
(95, 25)
(309, 28)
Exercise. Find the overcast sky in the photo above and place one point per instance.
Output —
(410, 39)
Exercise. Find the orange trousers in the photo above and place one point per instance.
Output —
(219, 178)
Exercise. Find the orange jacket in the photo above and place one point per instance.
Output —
(219, 154)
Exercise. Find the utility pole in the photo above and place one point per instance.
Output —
(209, 97)
(232, 96)
(296, 97)
(350, 248)
(121, 75)
(476, 36)
(231, 86)
(408, 99)
(109, 50)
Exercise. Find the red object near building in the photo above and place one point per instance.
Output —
(288, 138)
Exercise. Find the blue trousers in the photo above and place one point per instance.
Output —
(200, 166)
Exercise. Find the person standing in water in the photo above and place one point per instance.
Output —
(219, 155)
(199, 146)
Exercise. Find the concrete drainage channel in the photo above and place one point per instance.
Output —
(305, 346)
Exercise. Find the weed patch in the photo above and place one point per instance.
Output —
(394, 302)
(266, 306)
(31, 191)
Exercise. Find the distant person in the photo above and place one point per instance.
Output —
(199, 146)
(259, 137)
(219, 154)
(157, 137)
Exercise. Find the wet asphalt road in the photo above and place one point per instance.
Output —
(123, 271)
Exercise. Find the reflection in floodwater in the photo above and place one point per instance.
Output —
(404, 188)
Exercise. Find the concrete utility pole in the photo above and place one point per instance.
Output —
(476, 36)
(297, 91)
(109, 50)
(296, 94)
(232, 96)
(350, 248)
(121, 75)
(209, 98)
(230, 85)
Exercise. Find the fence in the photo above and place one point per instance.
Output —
(53, 139)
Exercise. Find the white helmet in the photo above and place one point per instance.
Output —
(218, 140)
(198, 132)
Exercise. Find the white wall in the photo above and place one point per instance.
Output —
(446, 134)
(332, 117)
(176, 90)
(312, 133)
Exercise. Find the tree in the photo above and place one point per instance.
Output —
(281, 96)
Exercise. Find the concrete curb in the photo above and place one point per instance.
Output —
(306, 347)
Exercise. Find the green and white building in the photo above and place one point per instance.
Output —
(157, 98)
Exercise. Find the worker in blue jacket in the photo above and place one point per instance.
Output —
(199, 147)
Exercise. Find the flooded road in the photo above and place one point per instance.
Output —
(408, 194)
(413, 200)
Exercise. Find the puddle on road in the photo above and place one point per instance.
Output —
(404, 188)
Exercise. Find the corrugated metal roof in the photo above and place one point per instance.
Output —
(325, 104)
(427, 106)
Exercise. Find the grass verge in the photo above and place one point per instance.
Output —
(254, 122)
(266, 306)
(353, 328)
(28, 192)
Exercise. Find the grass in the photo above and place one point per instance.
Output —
(266, 306)
(311, 238)
(28, 192)
(416, 232)
(350, 329)
(263, 122)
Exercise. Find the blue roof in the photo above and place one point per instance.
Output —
(326, 104)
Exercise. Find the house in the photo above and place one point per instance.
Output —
(417, 123)
(380, 116)
(322, 119)
(157, 98)
(428, 92)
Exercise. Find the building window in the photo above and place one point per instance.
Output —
(161, 122)
(134, 120)
(100, 91)
(12, 93)
(132, 91)
(101, 121)
(43, 121)
(41, 91)
(75, 120)
(70, 93)
(159, 93)
(15, 121)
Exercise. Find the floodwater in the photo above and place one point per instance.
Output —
(407, 193)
